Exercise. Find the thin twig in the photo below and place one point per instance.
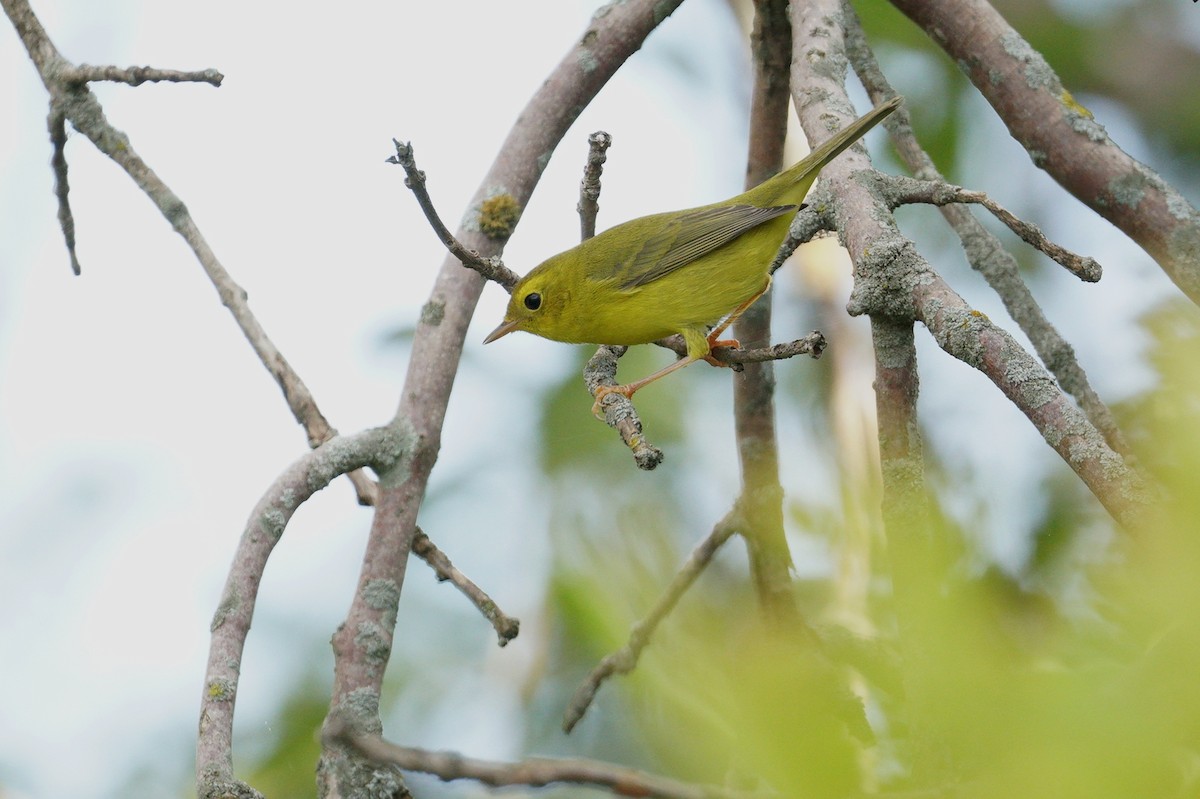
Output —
(589, 187)
(533, 772)
(601, 368)
(902, 190)
(490, 268)
(619, 412)
(506, 626)
(57, 123)
(812, 345)
(625, 659)
(136, 76)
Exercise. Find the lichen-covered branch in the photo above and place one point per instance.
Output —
(892, 279)
(231, 622)
(1061, 136)
(589, 185)
(985, 252)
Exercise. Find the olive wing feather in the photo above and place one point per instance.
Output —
(690, 236)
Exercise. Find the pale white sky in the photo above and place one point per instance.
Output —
(137, 429)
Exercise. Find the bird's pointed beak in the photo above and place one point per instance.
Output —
(503, 329)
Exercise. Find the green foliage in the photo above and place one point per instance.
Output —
(289, 767)
(1075, 679)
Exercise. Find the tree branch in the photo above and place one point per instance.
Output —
(761, 497)
(611, 37)
(589, 186)
(136, 76)
(985, 252)
(231, 623)
(901, 190)
(490, 268)
(73, 101)
(625, 659)
(506, 626)
(1061, 136)
(892, 279)
(533, 772)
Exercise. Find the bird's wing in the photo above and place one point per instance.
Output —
(690, 236)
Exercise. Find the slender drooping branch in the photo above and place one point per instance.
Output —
(625, 659)
(491, 268)
(72, 101)
(506, 626)
(901, 190)
(1061, 136)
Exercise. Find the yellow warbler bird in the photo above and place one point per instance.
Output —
(676, 272)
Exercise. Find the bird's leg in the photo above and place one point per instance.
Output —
(698, 349)
(628, 389)
(714, 341)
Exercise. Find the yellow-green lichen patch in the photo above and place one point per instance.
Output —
(498, 216)
(221, 690)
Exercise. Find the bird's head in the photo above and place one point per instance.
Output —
(538, 303)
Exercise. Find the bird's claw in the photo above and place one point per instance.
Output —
(604, 391)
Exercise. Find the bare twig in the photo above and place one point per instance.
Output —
(625, 659)
(136, 76)
(812, 345)
(901, 190)
(533, 772)
(57, 123)
(619, 411)
(601, 368)
(589, 187)
(506, 626)
(491, 268)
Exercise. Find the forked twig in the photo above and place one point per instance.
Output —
(490, 268)
(902, 190)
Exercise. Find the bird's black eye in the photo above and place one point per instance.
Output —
(533, 301)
